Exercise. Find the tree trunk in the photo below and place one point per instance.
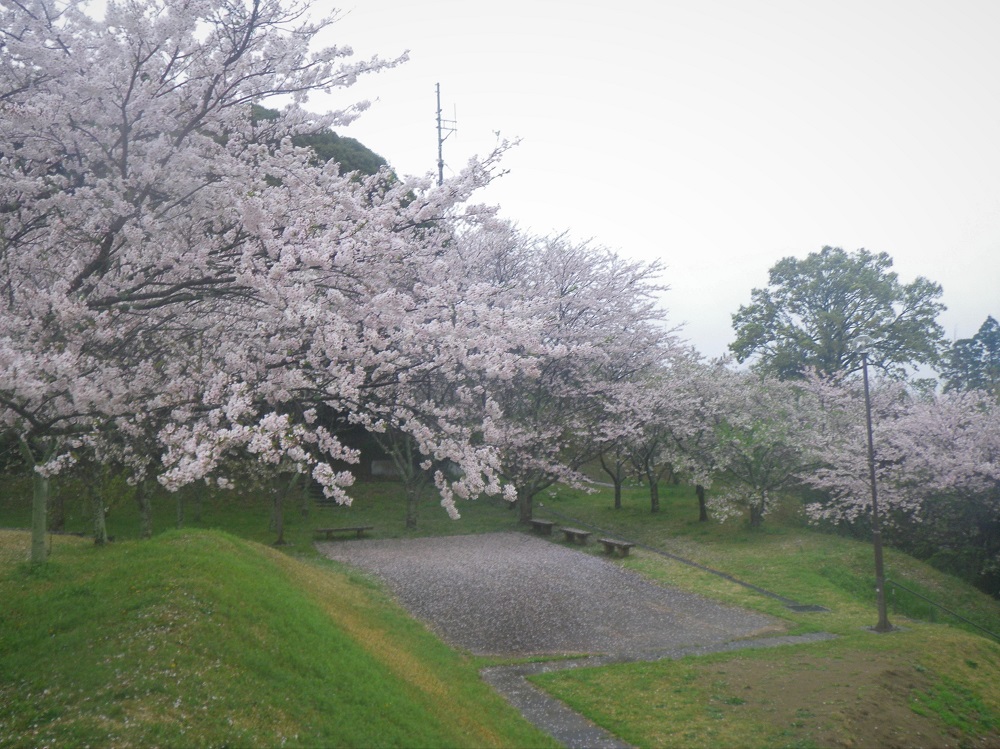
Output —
(39, 506)
(39, 501)
(616, 472)
(412, 503)
(756, 514)
(304, 497)
(414, 483)
(278, 514)
(57, 511)
(702, 507)
(180, 508)
(97, 510)
(654, 493)
(524, 505)
(278, 495)
(145, 509)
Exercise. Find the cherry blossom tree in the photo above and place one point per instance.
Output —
(937, 466)
(698, 388)
(176, 269)
(759, 445)
(679, 410)
(465, 339)
(597, 325)
(648, 448)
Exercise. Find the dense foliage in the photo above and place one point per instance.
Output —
(974, 363)
(813, 309)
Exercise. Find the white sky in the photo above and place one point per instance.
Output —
(715, 135)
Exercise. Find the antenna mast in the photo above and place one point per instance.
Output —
(445, 128)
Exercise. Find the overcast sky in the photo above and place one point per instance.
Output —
(717, 136)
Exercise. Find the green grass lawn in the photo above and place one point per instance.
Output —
(933, 682)
(212, 636)
(199, 638)
(378, 503)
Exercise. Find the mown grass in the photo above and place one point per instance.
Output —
(199, 638)
(248, 514)
(913, 689)
(211, 635)
(784, 557)
(932, 682)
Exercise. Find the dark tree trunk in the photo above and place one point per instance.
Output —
(654, 494)
(412, 507)
(97, 510)
(702, 508)
(278, 514)
(406, 459)
(57, 511)
(278, 495)
(414, 483)
(145, 509)
(524, 500)
(617, 474)
(39, 509)
(304, 497)
(39, 500)
(180, 509)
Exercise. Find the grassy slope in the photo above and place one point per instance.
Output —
(937, 678)
(198, 637)
(928, 684)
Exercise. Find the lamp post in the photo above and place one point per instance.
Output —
(862, 345)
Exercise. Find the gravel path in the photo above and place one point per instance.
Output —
(512, 594)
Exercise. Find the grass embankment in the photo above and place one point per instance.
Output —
(284, 644)
(198, 638)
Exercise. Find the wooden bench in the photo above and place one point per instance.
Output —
(576, 535)
(328, 532)
(542, 526)
(612, 545)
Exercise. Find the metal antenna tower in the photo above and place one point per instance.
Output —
(445, 128)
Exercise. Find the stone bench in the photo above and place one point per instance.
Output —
(611, 545)
(542, 526)
(576, 535)
(328, 532)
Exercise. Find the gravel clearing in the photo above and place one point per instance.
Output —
(512, 594)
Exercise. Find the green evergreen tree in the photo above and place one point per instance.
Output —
(813, 309)
(974, 363)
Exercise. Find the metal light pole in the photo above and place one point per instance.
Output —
(863, 343)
